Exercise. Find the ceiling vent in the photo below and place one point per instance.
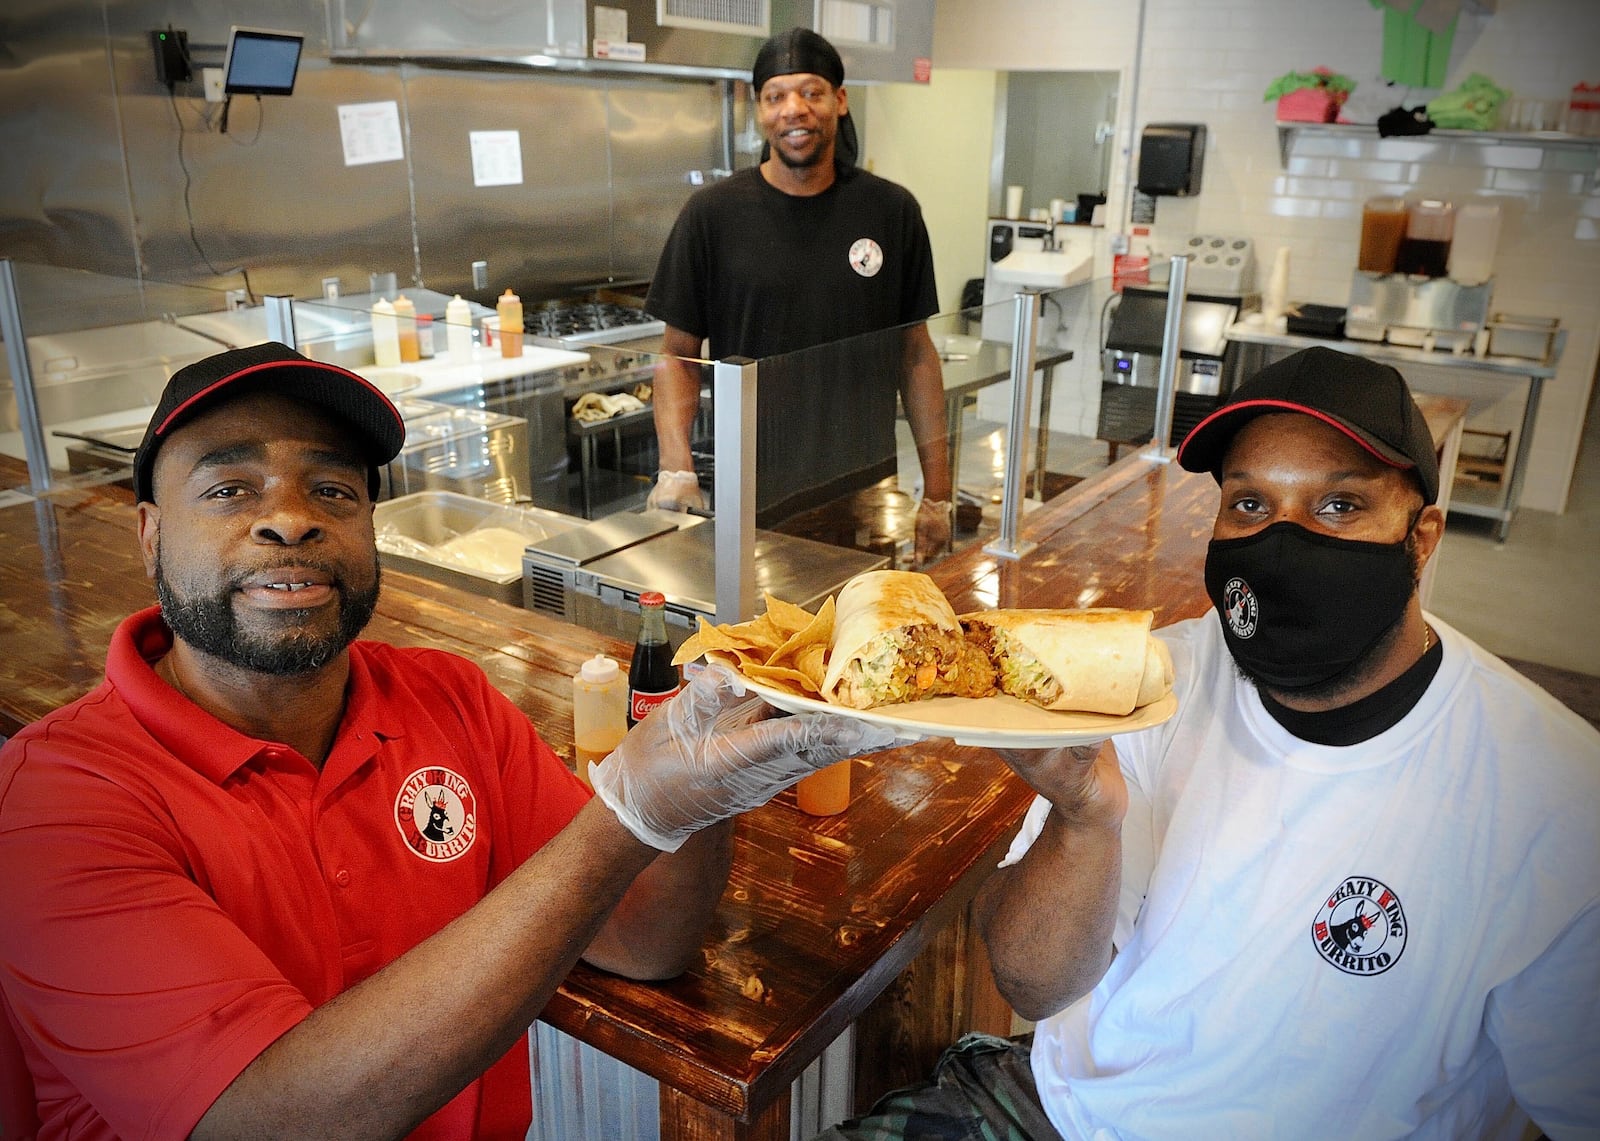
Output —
(743, 17)
(869, 23)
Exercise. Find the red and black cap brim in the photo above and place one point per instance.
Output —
(356, 401)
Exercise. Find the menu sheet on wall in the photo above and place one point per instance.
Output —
(370, 132)
(496, 158)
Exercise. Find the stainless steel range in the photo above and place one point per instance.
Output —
(598, 322)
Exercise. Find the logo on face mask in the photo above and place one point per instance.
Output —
(866, 257)
(1240, 608)
(437, 814)
(1361, 927)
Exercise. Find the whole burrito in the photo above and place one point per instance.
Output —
(1096, 660)
(896, 638)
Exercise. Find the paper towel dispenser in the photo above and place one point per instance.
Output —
(1171, 156)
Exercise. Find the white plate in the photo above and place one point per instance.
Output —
(1000, 722)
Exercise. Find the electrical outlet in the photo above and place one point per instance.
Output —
(212, 77)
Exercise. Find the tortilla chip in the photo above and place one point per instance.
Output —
(729, 636)
(786, 678)
(762, 638)
(818, 629)
(812, 661)
(786, 616)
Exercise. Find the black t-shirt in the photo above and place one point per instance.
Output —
(761, 274)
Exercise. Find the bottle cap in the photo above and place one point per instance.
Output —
(652, 598)
(599, 669)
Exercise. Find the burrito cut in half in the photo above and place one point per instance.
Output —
(1096, 660)
(896, 638)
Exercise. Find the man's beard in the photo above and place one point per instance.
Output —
(209, 624)
(811, 158)
(805, 162)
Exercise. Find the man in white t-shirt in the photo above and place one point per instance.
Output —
(1350, 890)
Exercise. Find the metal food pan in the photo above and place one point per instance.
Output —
(1529, 338)
(412, 529)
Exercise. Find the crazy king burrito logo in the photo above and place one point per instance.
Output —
(437, 814)
(1361, 927)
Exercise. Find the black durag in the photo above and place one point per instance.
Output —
(800, 51)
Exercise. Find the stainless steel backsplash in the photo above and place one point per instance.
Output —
(108, 172)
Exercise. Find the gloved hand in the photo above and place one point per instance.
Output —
(676, 491)
(711, 753)
(933, 530)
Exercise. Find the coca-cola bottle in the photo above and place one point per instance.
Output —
(652, 678)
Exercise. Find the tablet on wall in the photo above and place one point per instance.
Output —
(261, 62)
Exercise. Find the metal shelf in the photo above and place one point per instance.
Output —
(1288, 132)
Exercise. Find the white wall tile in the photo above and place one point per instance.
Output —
(1210, 60)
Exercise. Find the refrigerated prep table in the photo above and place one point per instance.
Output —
(592, 575)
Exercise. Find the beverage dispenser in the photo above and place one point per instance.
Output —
(1423, 275)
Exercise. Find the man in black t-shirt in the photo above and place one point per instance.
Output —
(805, 252)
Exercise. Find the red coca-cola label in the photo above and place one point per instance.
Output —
(641, 703)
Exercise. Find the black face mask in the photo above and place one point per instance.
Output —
(1298, 608)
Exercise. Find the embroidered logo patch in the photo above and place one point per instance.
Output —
(866, 257)
(437, 814)
(1361, 927)
(1240, 608)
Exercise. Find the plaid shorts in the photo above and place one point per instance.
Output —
(982, 1090)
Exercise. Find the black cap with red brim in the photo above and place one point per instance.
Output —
(1366, 400)
(271, 367)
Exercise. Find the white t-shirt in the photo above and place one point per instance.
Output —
(1384, 940)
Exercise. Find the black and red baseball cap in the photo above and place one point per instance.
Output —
(1365, 399)
(277, 368)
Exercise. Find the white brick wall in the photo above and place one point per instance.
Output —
(1210, 60)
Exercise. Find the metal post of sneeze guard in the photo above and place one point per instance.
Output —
(280, 319)
(33, 446)
(1160, 450)
(1006, 545)
(733, 428)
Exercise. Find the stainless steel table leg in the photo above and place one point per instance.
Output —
(952, 421)
(1047, 382)
(1530, 412)
(586, 473)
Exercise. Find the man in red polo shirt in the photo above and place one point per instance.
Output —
(267, 878)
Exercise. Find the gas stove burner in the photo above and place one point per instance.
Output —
(590, 322)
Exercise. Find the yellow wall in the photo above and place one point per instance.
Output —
(950, 177)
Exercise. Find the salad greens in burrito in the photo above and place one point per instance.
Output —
(1096, 660)
(896, 638)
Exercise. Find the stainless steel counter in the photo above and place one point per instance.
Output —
(1263, 346)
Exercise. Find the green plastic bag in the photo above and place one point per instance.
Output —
(1474, 106)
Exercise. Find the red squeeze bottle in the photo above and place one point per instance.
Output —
(652, 678)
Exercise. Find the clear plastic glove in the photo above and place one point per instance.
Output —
(711, 753)
(676, 491)
(933, 530)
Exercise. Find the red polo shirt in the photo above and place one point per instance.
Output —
(176, 895)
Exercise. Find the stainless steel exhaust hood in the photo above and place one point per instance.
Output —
(882, 41)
